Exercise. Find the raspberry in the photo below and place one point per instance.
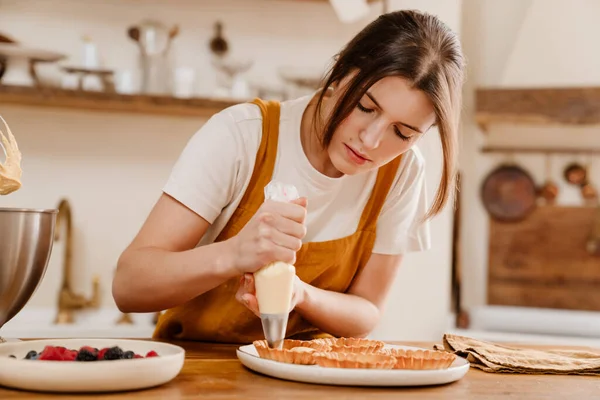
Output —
(101, 353)
(151, 353)
(69, 355)
(50, 353)
(114, 353)
(137, 356)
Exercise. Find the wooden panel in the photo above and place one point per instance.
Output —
(542, 261)
(111, 102)
(576, 106)
(578, 296)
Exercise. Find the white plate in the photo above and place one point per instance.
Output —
(93, 376)
(352, 377)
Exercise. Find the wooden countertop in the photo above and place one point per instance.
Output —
(214, 372)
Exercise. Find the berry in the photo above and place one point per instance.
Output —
(114, 353)
(31, 355)
(86, 355)
(69, 355)
(151, 353)
(128, 355)
(50, 353)
(12, 356)
(101, 353)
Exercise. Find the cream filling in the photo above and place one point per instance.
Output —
(302, 349)
(10, 170)
(274, 285)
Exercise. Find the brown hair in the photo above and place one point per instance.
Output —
(418, 47)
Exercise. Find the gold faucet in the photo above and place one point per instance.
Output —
(69, 301)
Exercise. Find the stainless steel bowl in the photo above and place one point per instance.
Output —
(26, 240)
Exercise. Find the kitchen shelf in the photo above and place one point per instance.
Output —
(540, 150)
(112, 102)
(560, 106)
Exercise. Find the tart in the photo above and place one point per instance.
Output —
(354, 345)
(292, 351)
(354, 360)
(420, 359)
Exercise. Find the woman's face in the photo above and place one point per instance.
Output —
(387, 121)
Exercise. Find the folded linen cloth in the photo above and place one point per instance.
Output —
(492, 357)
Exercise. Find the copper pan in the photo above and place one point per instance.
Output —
(509, 193)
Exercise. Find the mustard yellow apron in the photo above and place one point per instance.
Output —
(216, 316)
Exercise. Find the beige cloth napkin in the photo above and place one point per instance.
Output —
(492, 357)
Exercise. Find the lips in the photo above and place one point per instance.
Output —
(355, 156)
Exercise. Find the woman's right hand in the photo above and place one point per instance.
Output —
(274, 233)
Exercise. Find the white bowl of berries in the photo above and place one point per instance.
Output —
(88, 365)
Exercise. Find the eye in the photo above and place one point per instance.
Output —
(400, 135)
(364, 109)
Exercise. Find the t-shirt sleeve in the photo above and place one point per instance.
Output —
(203, 177)
(400, 228)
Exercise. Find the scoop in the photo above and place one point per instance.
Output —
(274, 286)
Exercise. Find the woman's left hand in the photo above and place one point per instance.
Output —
(246, 293)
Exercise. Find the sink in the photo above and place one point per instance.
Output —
(98, 323)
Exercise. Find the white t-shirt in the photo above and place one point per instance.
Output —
(214, 170)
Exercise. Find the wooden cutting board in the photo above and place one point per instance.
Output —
(542, 261)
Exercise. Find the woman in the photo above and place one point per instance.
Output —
(349, 150)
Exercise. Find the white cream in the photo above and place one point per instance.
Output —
(274, 285)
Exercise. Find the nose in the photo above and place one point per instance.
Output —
(372, 134)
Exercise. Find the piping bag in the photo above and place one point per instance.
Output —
(274, 283)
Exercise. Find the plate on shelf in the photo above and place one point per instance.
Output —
(352, 377)
(92, 376)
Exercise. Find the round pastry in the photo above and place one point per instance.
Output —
(421, 359)
(292, 351)
(354, 360)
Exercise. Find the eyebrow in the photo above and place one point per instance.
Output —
(400, 122)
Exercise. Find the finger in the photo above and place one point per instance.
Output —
(250, 301)
(286, 241)
(301, 201)
(249, 283)
(286, 226)
(241, 291)
(292, 211)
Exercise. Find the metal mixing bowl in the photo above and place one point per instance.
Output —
(26, 239)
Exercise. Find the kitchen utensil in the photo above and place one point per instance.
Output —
(154, 41)
(549, 191)
(27, 237)
(588, 191)
(218, 44)
(593, 244)
(509, 193)
(575, 174)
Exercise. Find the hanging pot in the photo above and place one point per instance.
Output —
(509, 193)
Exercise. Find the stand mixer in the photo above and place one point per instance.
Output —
(25, 249)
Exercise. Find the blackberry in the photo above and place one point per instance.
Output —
(114, 353)
(12, 356)
(128, 355)
(31, 355)
(86, 355)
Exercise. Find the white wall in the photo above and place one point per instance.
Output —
(419, 305)
(112, 167)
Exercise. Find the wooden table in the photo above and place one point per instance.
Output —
(214, 372)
